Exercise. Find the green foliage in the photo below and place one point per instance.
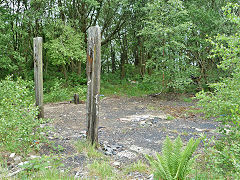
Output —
(18, 122)
(170, 118)
(66, 47)
(222, 156)
(41, 167)
(57, 91)
(175, 162)
(224, 102)
(112, 86)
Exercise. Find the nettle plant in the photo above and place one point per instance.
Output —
(18, 122)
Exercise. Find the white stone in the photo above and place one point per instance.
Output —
(150, 177)
(141, 150)
(12, 155)
(14, 173)
(127, 154)
(17, 159)
(116, 163)
(22, 163)
(42, 125)
(34, 157)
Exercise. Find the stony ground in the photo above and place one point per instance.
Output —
(128, 129)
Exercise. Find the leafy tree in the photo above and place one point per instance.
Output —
(224, 102)
(166, 33)
(66, 46)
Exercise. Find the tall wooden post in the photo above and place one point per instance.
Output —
(38, 74)
(93, 74)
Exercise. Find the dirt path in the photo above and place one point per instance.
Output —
(129, 127)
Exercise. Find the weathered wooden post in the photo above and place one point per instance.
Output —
(93, 74)
(38, 74)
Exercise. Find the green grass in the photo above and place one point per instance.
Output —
(153, 108)
(122, 89)
(170, 118)
(84, 146)
(60, 93)
(138, 166)
(50, 174)
(102, 170)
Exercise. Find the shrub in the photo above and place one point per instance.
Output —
(174, 163)
(57, 92)
(224, 102)
(18, 120)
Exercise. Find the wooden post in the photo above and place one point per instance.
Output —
(76, 99)
(38, 74)
(93, 74)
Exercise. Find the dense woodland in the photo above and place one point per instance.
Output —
(162, 43)
(148, 47)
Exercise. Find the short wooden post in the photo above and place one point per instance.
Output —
(93, 74)
(76, 99)
(38, 74)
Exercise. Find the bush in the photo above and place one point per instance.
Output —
(18, 114)
(58, 92)
(224, 102)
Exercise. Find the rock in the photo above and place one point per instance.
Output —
(116, 164)
(22, 163)
(155, 120)
(142, 123)
(12, 155)
(127, 154)
(42, 125)
(125, 119)
(150, 177)
(17, 159)
(202, 130)
(141, 150)
(77, 175)
(149, 123)
(14, 173)
(83, 132)
(116, 147)
(108, 153)
(50, 137)
(34, 157)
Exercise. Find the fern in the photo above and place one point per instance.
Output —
(174, 163)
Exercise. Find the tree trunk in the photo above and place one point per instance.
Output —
(113, 59)
(79, 68)
(64, 70)
(122, 68)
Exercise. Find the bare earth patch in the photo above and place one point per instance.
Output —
(128, 129)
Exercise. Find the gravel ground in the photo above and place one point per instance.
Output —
(128, 127)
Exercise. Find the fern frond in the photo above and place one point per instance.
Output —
(167, 154)
(157, 165)
(176, 154)
(185, 157)
(174, 163)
